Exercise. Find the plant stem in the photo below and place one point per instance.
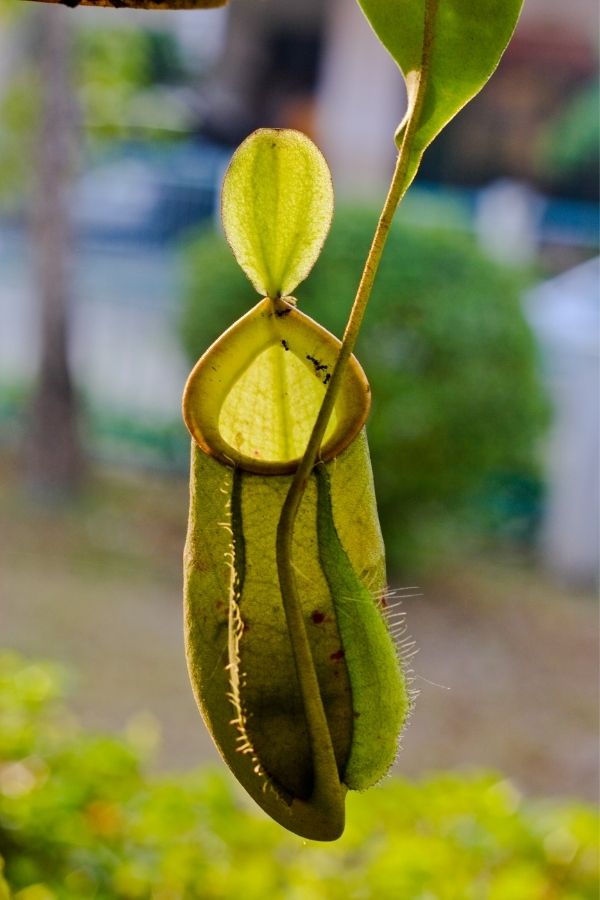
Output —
(325, 767)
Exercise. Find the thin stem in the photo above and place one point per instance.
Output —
(325, 766)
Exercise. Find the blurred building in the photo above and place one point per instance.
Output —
(552, 57)
(318, 67)
(309, 65)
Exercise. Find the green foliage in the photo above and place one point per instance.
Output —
(111, 65)
(80, 818)
(448, 354)
(277, 205)
(119, 73)
(114, 71)
(570, 144)
(446, 50)
(19, 111)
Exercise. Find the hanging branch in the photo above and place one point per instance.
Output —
(142, 4)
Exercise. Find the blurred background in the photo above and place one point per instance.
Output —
(481, 345)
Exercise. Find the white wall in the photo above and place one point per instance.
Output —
(360, 104)
(565, 316)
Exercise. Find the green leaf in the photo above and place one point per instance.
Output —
(468, 38)
(277, 204)
(238, 647)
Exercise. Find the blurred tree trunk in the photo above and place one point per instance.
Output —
(52, 453)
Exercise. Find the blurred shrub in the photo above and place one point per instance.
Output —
(569, 150)
(449, 356)
(79, 818)
(118, 73)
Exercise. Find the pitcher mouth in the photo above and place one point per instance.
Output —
(252, 399)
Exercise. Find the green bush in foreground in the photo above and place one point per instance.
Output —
(80, 818)
(450, 358)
